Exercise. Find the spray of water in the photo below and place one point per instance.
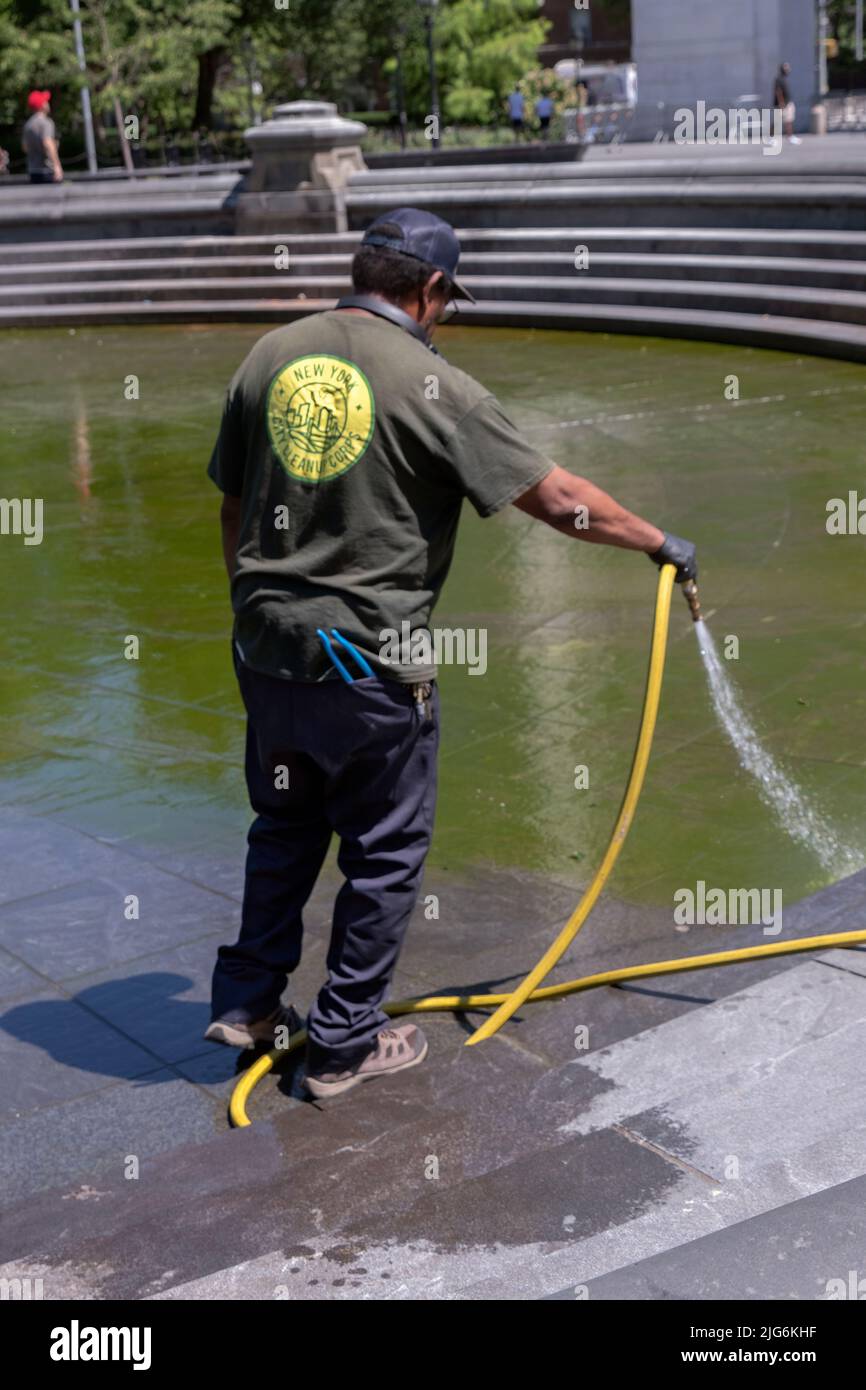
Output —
(801, 821)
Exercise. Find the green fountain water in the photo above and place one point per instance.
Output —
(151, 749)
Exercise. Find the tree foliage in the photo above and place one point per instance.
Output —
(169, 61)
(482, 48)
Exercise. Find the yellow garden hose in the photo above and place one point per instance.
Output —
(633, 789)
(460, 1003)
(529, 992)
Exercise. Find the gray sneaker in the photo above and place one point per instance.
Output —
(396, 1049)
(250, 1034)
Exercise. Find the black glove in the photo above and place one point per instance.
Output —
(676, 551)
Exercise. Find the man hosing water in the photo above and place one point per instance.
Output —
(342, 477)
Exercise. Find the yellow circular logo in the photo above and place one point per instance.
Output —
(320, 414)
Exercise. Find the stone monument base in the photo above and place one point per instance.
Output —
(302, 160)
(310, 210)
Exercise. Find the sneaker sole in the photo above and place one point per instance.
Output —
(322, 1089)
(227, 1035)
(230, 1036)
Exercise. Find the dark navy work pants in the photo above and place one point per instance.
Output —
(360, 762)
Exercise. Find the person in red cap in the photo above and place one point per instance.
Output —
(40, 141)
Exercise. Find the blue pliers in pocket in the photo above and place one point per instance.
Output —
(363, 663)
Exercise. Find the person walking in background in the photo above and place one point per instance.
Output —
(544, 111)
(782, 102)
(515, 112)
(39, 141)
(582, 93)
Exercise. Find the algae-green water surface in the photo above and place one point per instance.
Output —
(151, 749)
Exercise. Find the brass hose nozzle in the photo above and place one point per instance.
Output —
(690, 594)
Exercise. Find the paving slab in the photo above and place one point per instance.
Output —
(804, 1251)
(79, 927)
(97, 1134)
(53, 1049)
(453, 1233)
(16, 978)
(40, 856)
(740, 1063)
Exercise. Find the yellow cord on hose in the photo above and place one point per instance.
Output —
(528, 992)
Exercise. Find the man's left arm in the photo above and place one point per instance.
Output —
(226, 469)
(230, 523)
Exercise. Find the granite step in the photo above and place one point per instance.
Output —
(762, 204)
(799, 335)
(152, 248)
(809, 272)
(824, 245)
(835, 306)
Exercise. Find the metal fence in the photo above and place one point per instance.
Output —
(607, 124)
(846, 112)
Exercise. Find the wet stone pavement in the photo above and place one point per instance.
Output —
(699, 1113)
(519, 1168)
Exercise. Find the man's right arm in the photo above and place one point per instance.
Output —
(579, 509)
(493, 465)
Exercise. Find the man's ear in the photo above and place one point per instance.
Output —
(432, 285)
(429, 290)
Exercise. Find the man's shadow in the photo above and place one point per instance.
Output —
(122, 1028)
(138, 1029)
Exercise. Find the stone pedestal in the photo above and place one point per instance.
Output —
(303, 157)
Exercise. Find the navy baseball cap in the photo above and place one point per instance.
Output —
(424, 237)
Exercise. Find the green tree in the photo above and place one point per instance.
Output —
(177, 64)
(482, 48)
(344, 50)
(311, 49)
(143, 57)
(841, 14)
(36, 50)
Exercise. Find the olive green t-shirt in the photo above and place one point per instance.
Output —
(351, 447)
